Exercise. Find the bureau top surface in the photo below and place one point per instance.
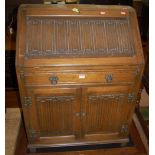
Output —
(77, 35)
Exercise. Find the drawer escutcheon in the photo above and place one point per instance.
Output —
(54, 80)
(109, 78)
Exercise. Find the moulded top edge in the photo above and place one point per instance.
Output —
(80, 6)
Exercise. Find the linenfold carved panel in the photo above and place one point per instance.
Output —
(54, 115)
(60, 37)
(101, 109)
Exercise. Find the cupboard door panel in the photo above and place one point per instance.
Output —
(54, 115)
(106, 110)
(101, 110)
(54, 111)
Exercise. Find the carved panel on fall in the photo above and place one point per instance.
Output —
(92, 37)
(78, 73)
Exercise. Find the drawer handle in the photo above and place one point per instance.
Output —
(54, 80)
(109, 78)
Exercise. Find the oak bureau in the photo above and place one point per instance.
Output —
(79, 68)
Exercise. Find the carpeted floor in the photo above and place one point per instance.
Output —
(12, 126)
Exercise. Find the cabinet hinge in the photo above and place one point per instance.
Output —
(33, 133)
(27, 101)
(124, 128)
(131, 97)
(137, 71)
(21, 75)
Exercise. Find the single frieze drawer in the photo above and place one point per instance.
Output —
(112, 77)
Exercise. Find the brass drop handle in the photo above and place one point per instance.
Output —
(54, 80)
(109, 78)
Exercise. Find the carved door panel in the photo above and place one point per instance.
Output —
(53, 113)
(106, 111)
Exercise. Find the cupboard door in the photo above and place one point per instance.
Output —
(53, 114)
(106, 111)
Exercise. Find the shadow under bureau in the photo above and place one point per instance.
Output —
(79, 69)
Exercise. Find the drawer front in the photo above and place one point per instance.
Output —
(111, 77)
